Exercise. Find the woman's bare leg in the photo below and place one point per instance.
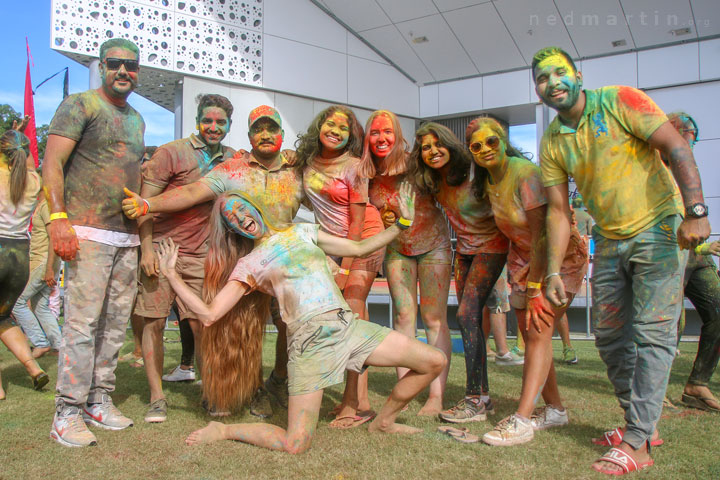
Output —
(16, 341)
(303, 413)
(539, 371)
(402, 282)
(425, 364)
(434, 287)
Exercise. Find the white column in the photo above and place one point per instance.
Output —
(178, 109)
(94, 71)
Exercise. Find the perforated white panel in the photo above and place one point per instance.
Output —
(220, 39)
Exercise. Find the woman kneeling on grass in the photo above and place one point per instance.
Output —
(249, 253)
(514, 187)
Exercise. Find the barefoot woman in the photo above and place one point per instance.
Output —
(420, 254)
(324, 338)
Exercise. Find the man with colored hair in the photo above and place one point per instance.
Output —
(264, 173)
(608, 140)
(173, 165)
(94, 147)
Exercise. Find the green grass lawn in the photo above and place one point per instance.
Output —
(158, 451)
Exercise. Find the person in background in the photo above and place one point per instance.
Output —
(37, 320)
(18, 198)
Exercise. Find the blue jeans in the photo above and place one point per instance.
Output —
(40, 326)
(637, 289)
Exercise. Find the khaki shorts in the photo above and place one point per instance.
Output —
(156, 296)
(437, 256)
(322, 348)
(571, 280)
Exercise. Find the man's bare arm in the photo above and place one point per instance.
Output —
(57, 153)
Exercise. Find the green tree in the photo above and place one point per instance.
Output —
(8, 115)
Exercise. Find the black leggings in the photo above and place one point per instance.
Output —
(187, 339)
(475, 276)
(14, 274)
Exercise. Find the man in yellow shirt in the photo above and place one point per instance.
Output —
(608, 140)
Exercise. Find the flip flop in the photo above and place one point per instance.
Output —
(701, 403)
(623, 460)
(613, 438)
(358, 419)
(461, 434)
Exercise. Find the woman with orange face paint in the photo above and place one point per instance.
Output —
(421, 253)
(330, 151)
(442, 168)
(515, 190)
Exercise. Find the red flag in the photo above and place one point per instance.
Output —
(30, 130)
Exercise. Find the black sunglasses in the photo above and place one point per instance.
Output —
(492, 142)
(116, 63)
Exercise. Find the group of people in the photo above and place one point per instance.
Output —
(216, 235)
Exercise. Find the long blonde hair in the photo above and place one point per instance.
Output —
(232, 346)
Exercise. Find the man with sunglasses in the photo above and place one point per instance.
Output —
(267, 173)
(95, 146)
(607, 140)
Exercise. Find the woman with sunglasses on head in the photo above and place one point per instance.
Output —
(20, 186)
(251, 257)
(515, 190)
(331, 150)
(441, 167)
(420, 254)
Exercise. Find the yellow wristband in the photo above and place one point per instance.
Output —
(534, 285)
(55, 216)
(404, 221)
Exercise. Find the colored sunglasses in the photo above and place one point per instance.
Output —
(492, 142)
(116, 63)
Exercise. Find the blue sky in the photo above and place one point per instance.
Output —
(31, 19)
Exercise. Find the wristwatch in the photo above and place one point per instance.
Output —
(697, 210)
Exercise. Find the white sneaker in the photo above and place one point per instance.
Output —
(548, 417)
(513, 430)
(180, 375)
(68, 429)
(105, 415)
(510, 358)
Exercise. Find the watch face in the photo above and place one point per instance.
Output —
(699, 209)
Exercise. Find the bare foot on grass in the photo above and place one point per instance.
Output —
(212, 433)
(377, 427)
(432, 407)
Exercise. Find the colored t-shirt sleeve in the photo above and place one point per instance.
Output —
(637, 112)
(553, 172)
(215, 178)
(308, 231)
(357, 186)
(530, 188)
(43, 214)
(158, 171)
(241, 273)
(70, 118)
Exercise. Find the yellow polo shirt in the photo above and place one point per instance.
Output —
(625, 185)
